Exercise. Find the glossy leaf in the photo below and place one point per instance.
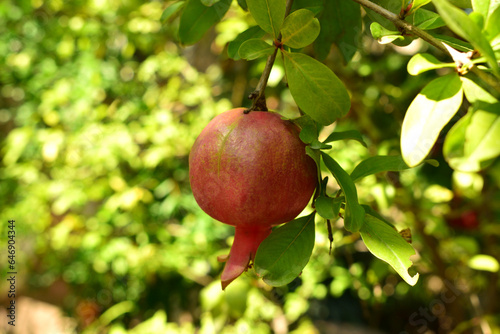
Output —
(300, 29)
(197, 18)
(282, 256)
(377, 164)
(354, 213)
(328, 207)
(462, 25)
(388, 245)
(255, 48)
(429, 112)
(422, 62)
(315, 88)
(234, 46)
(269, 14)
(340, 23)
(473, 141)
(345, 135)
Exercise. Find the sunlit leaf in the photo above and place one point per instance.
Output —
(422, 62)
(197, 18)
(484, 262)
(354, 212)
(315, 88)
(269, 14)
(388, 245)
(472, 142)
(255, 48)
(377, 164)
(429, 112)
(282, 256)
(300, 29)
(462, 25)
(474, 93)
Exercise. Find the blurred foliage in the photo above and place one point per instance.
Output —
(98, 110)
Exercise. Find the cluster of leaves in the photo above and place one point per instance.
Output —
(472, 144)
(323, 98)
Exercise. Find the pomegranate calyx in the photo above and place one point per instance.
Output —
(245, 245)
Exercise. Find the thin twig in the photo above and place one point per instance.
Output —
(258, 95)
(405, 26)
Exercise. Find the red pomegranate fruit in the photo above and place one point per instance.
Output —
(250, 171)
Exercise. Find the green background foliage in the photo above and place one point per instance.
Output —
(99, 107)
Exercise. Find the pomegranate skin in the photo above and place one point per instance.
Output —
(251, 170)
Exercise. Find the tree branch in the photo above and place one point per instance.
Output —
(402, 24)
(258, 95)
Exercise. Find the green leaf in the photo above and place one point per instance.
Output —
(429, 112)
(196, 19)
(383, 35)
(417, 4)
(234, 46)
(474, 92)
(300, 29)
(255, 48)
(309, 131)
(422, 62)
(315, 88)
(344, 135)
(455, 43)
(315, 6)
(354, 213)
(484, 262)
(492, 26)
(472, 143)
(328, 207)
(171, 11)
(282, 256)
(453, 147)
(390, 5)
(481, 7)
(377, 164)
(269, 14)
(462, 25)
(388, 245)
(209, 3)
(243, 4)
(340, 24)
(426, 19)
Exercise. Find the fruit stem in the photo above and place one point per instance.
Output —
(245, 245)
(258, 95)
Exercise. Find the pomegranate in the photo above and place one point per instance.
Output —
(250, 171)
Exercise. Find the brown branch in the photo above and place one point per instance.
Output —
(258, 95)
(401, 24)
